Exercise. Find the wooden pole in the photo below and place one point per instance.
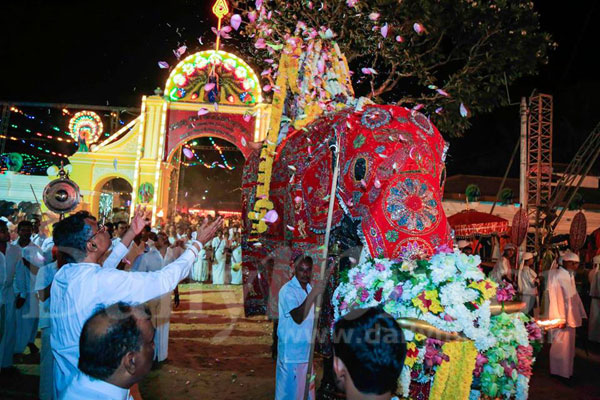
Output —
(323, 264)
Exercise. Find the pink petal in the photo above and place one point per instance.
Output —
(291, 228)
(377, 183)
(260, 43)
(298, 199)
(226, 29)
(267, 88)
(163, 65)
(235, 21)
(247, 117)
(202, 111)
(216, 106)
(258, 4)
(181, 50)
(369, 71)
(188, 153)
(269, 61)
(384, 30)
(399, 39)
(374, 16)
(271, 216)
(252, 16)
(209, 86)
(442, 92)
(266, 72)
(418, 28)
(464, 111)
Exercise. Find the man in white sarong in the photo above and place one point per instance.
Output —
(27, 313)
(200, 267)
(81, 285)
(594, 321)
(9, 256)
(503, 268)
(218, 268)
(564, 303)
(154, 260)
(43, 284)
(236, 260)
(296, 319)
(527, 282)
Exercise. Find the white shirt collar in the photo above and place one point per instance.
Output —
(111, 391)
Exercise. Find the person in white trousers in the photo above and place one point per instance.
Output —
(565, 304)
(594, 321)
(156, 259)
(27, 313)
(218, 268)
(9, 256)
(236, 260)
(43, 284)
(527, 282)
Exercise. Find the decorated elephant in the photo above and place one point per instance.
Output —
(390, 238)
(388, 198)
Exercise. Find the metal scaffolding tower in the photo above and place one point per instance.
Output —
(539, 164)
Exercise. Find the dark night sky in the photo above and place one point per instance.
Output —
(99, 52)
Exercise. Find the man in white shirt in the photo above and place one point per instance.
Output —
(81, 285)
(9, 256)
(122, 228)
(154, 260)
(27, 313)
(43, 284)
(527, 282)
(594, 321)
(504, 266)
(116, 350)
(37, 237)
(565, 304)
(294, 332)
(236, 260)
(218, 268)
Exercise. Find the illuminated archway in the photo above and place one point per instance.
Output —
(211, 76)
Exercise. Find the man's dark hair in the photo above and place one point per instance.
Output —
(371, 344)
(100, 353)
(86, 214)
(71, 236)
(120, 223)
(3, 224)
(23, 224)
(302, 259)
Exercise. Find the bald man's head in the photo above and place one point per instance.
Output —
(117, 344)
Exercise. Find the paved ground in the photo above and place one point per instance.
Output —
(216, 353)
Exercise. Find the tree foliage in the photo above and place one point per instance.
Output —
(436, 56)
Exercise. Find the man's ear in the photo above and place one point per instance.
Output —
(128, 362)
(91, 247)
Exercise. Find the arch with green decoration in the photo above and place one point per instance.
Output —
(211, 76)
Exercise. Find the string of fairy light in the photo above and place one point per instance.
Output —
(31, 163)
(215, 164)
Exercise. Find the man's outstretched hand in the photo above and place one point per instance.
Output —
(138, 222)
(207, 230)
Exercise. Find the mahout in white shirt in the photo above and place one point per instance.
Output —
(294, 332)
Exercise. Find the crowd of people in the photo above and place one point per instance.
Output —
(554, 294)
(55, 283)
(101, 295)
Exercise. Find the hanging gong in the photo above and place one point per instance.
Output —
(61, 195)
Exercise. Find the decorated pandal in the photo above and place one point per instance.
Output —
(462, 342)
